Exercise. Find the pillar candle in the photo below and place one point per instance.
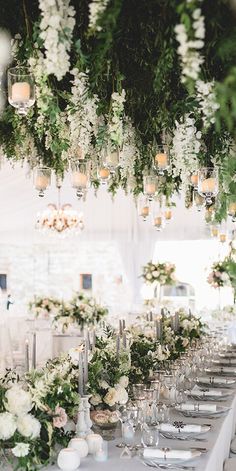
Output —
(121, 327)
(20, 92)
(161, 159)
(27, 355)
(81, 375)
(34, 351)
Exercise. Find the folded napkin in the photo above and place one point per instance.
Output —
(186, 428)
(212, 379)
(223, 369)
(230, 464)
(210, 392)
(197, 407)
(171, 454)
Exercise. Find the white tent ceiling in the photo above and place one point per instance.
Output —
(104, 219)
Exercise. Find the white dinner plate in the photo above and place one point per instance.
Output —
(220, 410)
(195, 454)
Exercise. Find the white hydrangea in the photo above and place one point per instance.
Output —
(206, 98)
(82, 115)
(189, 49)
(28, 426)
(96, 9)
(186, 145)
(56, 25)
(21, 449)
(18, 401)
(7, 425)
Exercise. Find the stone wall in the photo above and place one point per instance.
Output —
(54, 269)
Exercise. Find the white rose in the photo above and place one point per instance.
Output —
(155, 273)
(124, 381)
(28, 426)
(95, 400)
(122, 395)
(7, 425)
(18, 401)
(149, 276)
(111, 397)
(21, 449)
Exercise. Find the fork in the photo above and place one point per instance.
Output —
(153, 464)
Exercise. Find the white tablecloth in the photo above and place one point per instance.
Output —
(218, 444)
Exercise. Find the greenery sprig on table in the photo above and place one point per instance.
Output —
(172, 65)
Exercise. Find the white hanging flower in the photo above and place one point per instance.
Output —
(82, 115)
(206, 98)
(128, 155)
(186, 145)
(96, 9)
(189, 49)
(115, 123)
(56, 25)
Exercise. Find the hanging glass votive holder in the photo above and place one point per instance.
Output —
(111, 158)
(21, 89)
(158, 218)
(143, 207)
(214, 231)
(194, 180)
(80, 178)
(161, 158)
(103, 174)
(168, 214)
(208, 184)
(150, 186)
(232, 208)
(199, 201)
(42, 179)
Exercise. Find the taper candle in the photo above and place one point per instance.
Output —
(117, 346)
(121, 327)
(81, 374)
(34, 351)
(124, 339)
(27, 355)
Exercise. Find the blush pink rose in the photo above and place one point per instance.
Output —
(61, 417)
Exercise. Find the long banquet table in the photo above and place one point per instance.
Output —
(218, 445)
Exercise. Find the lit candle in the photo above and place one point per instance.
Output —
(222, 238)
(158, 221)
(144, 212)
(168, 214)
(208, 185)
(104, 173)
(41, 182)
(194, 179)
(232, 208)
(20, 92)
(150, 189)
(27, 355)
(34, 351)
(79, 180)
(162, 160)
(214, 231)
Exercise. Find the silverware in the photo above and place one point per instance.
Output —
(154, 464)
(181, 437)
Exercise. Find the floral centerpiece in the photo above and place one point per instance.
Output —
(81, 310)
(219, 277)
(108, 375)
(162, 273)
(36, 413)
(146, 355)
(44, 307)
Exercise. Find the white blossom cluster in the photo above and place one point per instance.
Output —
(56, 27)
(186, 145)
(189, 48)
(82, 115)
(128, 155)
(96, 9)
(115, 123)
(206, 98)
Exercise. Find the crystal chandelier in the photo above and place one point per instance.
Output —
(59, 219)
